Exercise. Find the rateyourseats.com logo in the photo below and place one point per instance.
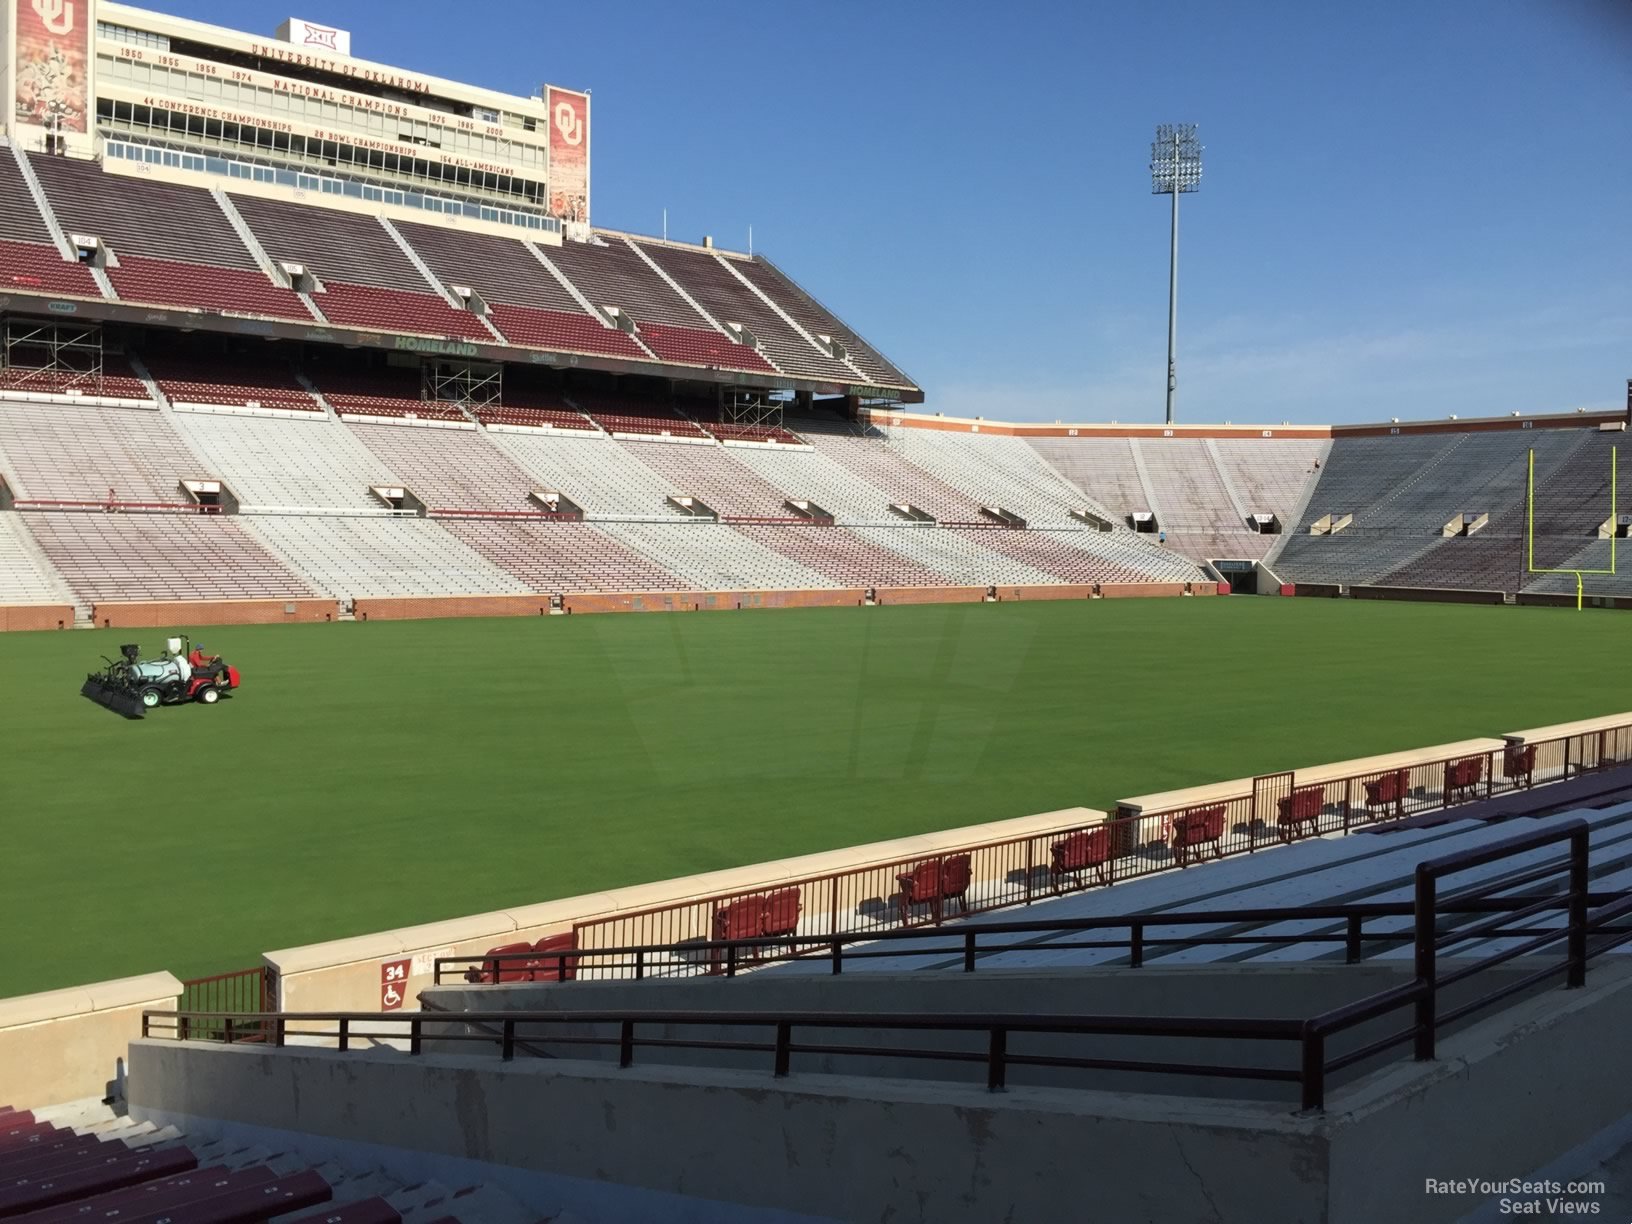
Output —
(1548, 1200)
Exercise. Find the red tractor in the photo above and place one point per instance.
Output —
(131, 687)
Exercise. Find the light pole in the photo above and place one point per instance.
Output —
(1175, 168)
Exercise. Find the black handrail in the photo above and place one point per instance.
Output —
(734, 955)
(1311, 1034)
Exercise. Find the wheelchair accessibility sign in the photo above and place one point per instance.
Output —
(393, 984)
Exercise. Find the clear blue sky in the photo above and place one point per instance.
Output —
(1409, 209)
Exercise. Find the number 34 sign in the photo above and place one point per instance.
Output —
(393, 983)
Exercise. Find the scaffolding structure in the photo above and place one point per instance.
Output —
(752, 407)
(52, 355)
(470, 384)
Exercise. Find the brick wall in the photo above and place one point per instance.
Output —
(36, 616)
(1068, 591)
(160, 615)
(432, 607)
(929, 595)
(713, 601)
(154, 615)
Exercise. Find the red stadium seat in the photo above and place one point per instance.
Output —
(556, 968)
(1463, 776)
(780, 915)
(1519, 763)
(503, 971)
(1299, 808)
(1200, 827)
(1390, 790)
(1080, 851)
(933, 882)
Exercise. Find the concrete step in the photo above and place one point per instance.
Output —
(419, 1197)
(489, 1205)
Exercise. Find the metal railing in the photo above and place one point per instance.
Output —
(1021, 871)
(985, 943)
(1308, 1038)
(243, 992)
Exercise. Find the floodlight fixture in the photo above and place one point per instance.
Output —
(1175, 170)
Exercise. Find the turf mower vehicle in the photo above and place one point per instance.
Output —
(131, 687)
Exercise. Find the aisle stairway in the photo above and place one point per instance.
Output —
(85, 1161)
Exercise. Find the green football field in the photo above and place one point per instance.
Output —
(370, 776)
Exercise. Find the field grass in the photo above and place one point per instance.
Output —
(374, 776)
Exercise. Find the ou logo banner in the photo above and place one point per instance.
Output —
(56, 15)
(566, 120)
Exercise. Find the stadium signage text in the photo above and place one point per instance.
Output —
(448, 348)
(303, 89)
(181, 107)
(883, 393)
(356, 71)
(419, 152)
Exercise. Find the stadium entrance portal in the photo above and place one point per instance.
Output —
(1241, 575)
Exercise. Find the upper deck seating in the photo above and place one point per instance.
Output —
(368, 281)
(709, 283)
(525, 302)
(819, 321)
(610, 274)
(173, 243)
(29, 259)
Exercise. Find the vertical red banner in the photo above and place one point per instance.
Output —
(569, 153)
(53, 63)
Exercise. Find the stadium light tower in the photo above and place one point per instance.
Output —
(1175, 168)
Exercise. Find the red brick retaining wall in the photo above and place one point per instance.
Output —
(157, 615)
(36, 616)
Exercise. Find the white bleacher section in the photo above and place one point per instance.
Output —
(963, 561)
(1193, 505)
(815, 476)
(1084, 556)
(449, 469)
(878, 461)
(595, 471)
(714, 557)
(1272, 475)
(1000, 471)
(560, 558)
(347, 557)
(712, 474)
(25, 575)
(279, 463)
(113, 557)
(77, 452)
(1102, 469)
